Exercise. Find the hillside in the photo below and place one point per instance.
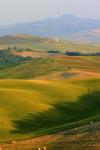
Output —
(34, 107)
(67, 26)
(20, 39)
(29, 43)
(36, 96)
(48, 87)
(46, 66)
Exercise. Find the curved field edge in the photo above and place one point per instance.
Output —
(46, 66)
(53, 91)
(56, 130)
(71, 125)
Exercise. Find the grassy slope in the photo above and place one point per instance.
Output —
(20, 98)
(43, 66)
(37, 43)
(66, 46)
(19, 39)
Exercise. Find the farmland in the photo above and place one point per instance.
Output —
(46, 93)
(20, 99)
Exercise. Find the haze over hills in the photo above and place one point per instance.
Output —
(49, 75)
(67, 26)
(49, 84)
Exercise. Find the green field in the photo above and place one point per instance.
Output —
(33, 106)
(45, 44)
(44, 66)
(48, 94)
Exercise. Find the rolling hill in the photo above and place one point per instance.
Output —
(49, 93)
(46, 66)
(67, 26)
(34, 107)
(36, 96)
(28, 42)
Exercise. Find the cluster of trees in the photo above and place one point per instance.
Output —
(54, 51)
(17, 49)
(81, 54)
(6, 58)
(21, 49)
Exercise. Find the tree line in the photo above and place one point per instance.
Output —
(68, 53)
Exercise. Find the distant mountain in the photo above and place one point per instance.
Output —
(67, 26)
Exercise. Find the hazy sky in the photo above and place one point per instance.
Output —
(12, 11)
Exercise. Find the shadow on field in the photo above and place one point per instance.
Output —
(60, 113)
